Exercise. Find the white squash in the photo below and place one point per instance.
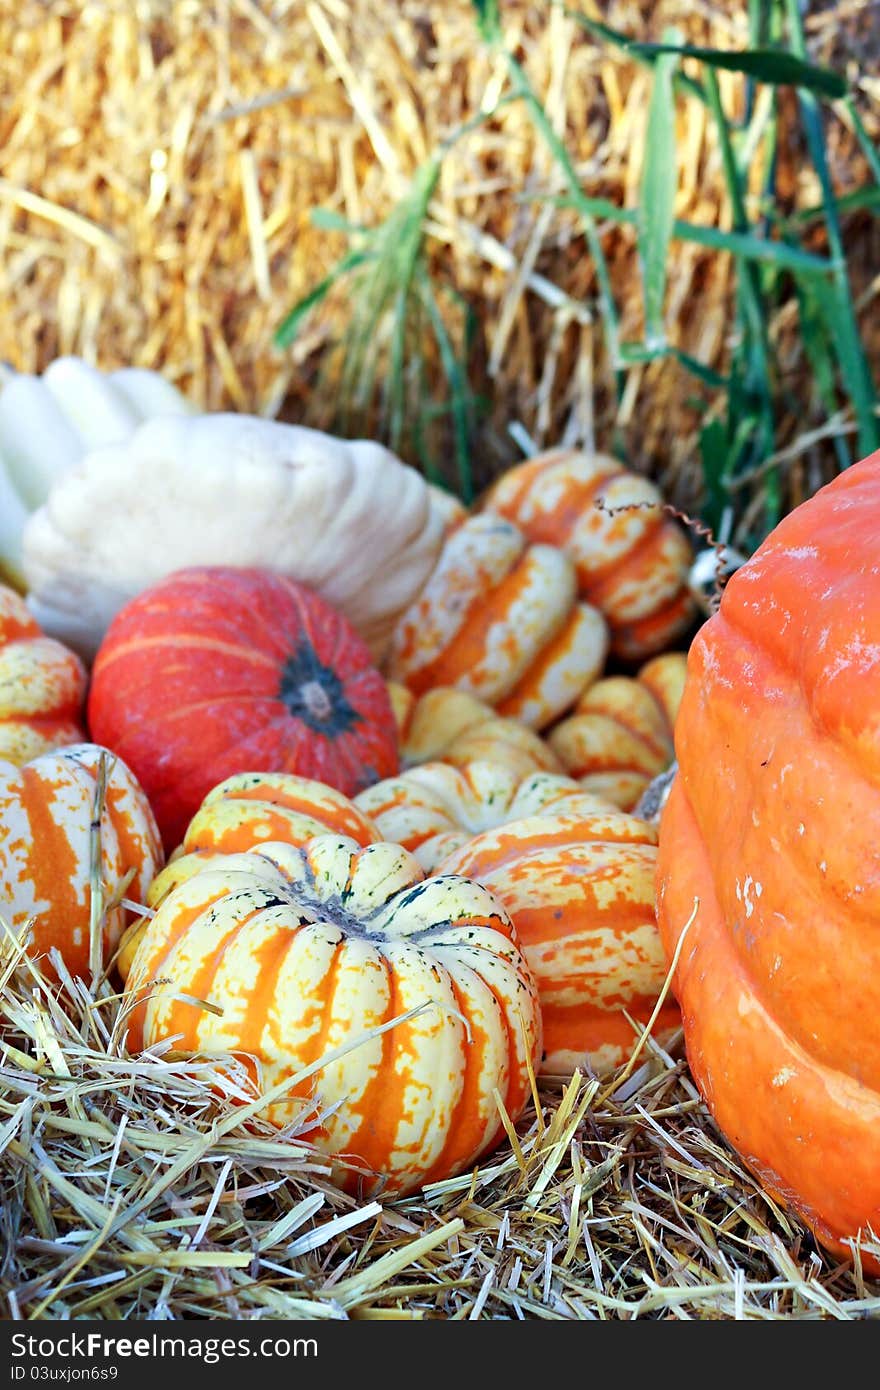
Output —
(346, 518)
(47, 424)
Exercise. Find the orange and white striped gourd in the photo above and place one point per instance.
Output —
(632, 559)
(42, 686)
(618, 737)
(450, 726)
(580, 889)
(46, 810)
(436, 808)
(307, 951)
(500, 619)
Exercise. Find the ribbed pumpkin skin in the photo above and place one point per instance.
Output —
(305, 950)
(42, 686)
(631, 564)
(620, 734)
(499, 618)
(772, 828)
(435, 809)
(45, 817)
(581, 892)
(253, 808)
(216, 671)
(450, 726)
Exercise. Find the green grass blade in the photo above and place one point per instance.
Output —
(869, 149)
(774, 66)
(656, 214)
(292, 322)
(617, 39)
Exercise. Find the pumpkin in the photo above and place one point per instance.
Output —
(252, 808)
(450, 726)
(580, 889)
(307, 950)
(344, 517)
(42, 686)
(46, 810)
(619, 736)
(435, 808)
(499, 619)
(216, 671)
(47, 424)
(632, 559)
(771, 838)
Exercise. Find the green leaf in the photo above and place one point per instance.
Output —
(618, 39)
(329, 221)
(656, 214)
(290, 325)
(772, 65)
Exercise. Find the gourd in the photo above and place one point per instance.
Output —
(42, 686)
(580, 889)
(450, 726)
(632, 560)
(305, 953)
(47, 424)
(345, 518)
(46, 811)
(619, 736)
(436, 808)
(216, 671)
(499, 619)
(770, 850)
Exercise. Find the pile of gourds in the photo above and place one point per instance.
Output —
(368, 769)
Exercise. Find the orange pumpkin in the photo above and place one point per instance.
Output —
(46, 812)
(771, 837)
(632, 559)
(450, 726)
(499, 618)
(42, 686)
(619, 735)
(309, 950)
(580, 889)
(435, 808)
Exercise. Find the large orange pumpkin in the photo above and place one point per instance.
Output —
(46, 810)
(215, 671)
(499, 618)
(771, 836)
(42, 686)
(632, 559)
(580, 889)
(618, 737)
(303, 951)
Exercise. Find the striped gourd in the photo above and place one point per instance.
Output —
(450, 726)
(42, 686)
(632, 559)
(304, 953)
(435, 808)
(581, 892)
(619, 735)
(46, 810)
(499, 618)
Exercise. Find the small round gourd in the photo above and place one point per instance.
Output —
(305, 954)
(42, 686)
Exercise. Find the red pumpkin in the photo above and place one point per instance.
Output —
(216, 671)
(770, 843)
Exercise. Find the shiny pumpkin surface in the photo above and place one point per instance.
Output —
(619, 736)
(772, 831)
(580, 889)
(42, 686)
(306, 951)
(436, 808)
(217, 671)
(632, 560)
(499, 619)
(46, 810)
